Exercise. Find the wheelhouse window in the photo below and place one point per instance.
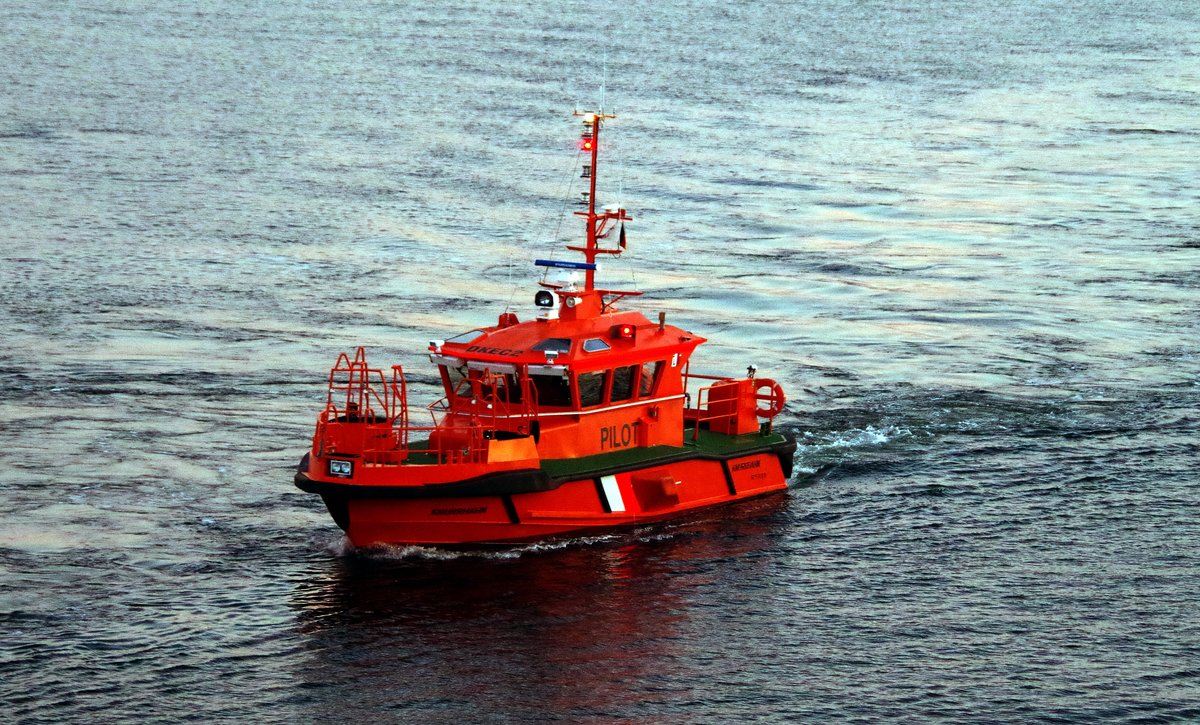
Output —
(453, 377)
(622, 383)
(552, 390)
(512, 389)
(595, 344)
(649, 380)
(466, 337)
(591, 388)
(503, 388)
(553, 344)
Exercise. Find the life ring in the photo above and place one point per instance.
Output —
(770, 402)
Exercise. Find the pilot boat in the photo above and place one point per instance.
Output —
(583, 418)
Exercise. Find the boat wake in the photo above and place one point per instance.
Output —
(816, 451)
(343, 548)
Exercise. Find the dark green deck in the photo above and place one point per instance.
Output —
(708, 445)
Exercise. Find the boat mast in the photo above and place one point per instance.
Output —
(597, 225)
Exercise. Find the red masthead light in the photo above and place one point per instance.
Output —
(585, 144)
(623, 332)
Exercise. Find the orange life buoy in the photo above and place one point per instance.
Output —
(771, 402)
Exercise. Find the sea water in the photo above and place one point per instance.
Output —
(964, 236)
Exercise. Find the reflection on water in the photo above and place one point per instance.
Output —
(565, 631)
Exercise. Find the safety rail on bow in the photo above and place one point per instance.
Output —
(366, 415)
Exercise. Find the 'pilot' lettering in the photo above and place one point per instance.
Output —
(613, 437)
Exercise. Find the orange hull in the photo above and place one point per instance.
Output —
(373, 515)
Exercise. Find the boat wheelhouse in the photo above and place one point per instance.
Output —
(584, 417)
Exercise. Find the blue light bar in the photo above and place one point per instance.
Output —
(563, 265)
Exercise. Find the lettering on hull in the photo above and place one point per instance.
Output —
(459, 511)
(499, 351)
(614, 436)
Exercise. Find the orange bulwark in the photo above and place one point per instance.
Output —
(582, 418)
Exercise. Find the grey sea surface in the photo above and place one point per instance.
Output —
(965, 237)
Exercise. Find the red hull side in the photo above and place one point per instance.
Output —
(574, 508)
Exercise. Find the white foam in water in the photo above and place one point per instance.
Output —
(410, 551)
(393, 552)
(340, 547)
(860, 437)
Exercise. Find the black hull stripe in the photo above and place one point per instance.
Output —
(729, 477)
(511, 510)
(603, 497)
